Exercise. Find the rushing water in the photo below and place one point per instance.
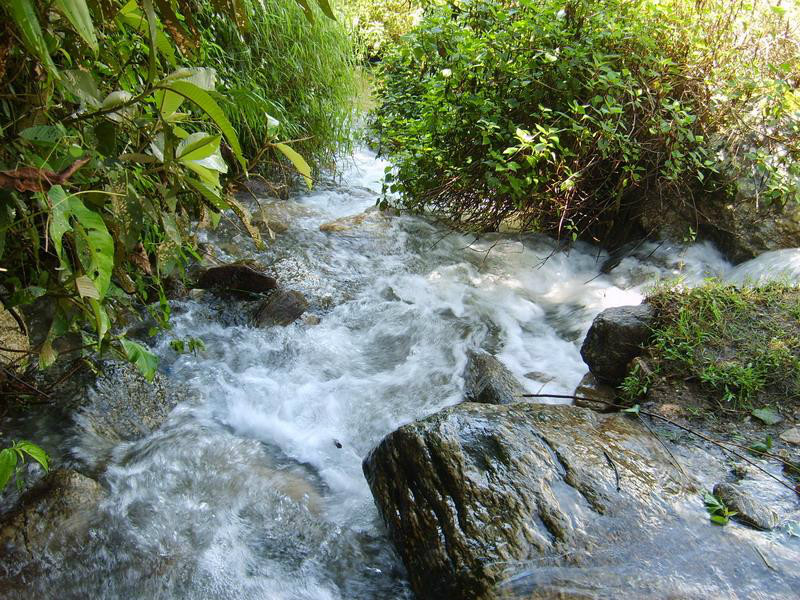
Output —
(255, 490)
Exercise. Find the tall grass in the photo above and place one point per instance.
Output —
(301, 74)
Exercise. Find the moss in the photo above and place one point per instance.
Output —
(740, 348)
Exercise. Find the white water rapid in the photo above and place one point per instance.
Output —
(255, 489)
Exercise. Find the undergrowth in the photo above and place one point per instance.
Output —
(739, 346)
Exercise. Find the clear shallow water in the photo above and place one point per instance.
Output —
(255, 490)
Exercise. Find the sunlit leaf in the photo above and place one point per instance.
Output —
(8, 462)
(78, 14)
(143, 359)
(298, 161)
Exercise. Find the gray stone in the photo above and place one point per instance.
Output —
(475, 488)
(595, 395)
(791, 436)
(488, 381)
(747, 509)
(235, 278)
(282, 308)
(614, 339)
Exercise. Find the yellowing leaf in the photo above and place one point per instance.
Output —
(298, 161)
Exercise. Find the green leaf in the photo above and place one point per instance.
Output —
(34, 451)
(208, 194)
(306, 10)
(77, 13)
(719, 519)
(143, 359)
(102, 323)
(207, 104)
(44, 135)
(94, 244)
(81, 84)
(298, 161)
(326, 9)
(197, 147)
(24, 16)
(634, 410)
(768, 416)
(8, 461)
(59, 216)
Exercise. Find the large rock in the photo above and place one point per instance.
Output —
(54, 514)
(748, 510)
(237, 278)
(14, 344)
(539, 501)
(122, 407)
(614, 339)
(282, 308)
(487, 381)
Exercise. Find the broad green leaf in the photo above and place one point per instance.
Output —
(102, 323)
(23, 14)
(143, 359)
(8, 461)
(47, 354)
(59, 217)
(78, 14)
(208, 194)
(35, 452)
(207, 104)
(197, 147)
(152, 27)
(44, 135)
(94, 244)
(298, 161)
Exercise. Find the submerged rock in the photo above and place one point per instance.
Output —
(614, 339)
(236, 277)
(372, 216)
(52, 515)
(282, 308)
(748, 510)
(488, 381)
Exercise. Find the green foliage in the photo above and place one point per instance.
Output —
(376, 25)
(563, 115)
(282, 78)
(742, 346)
(191, 345)
(13, 459)
(718, 512)
(635, 385)
(114, 146)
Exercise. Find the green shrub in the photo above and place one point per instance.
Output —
(563, 116)
(376, 25)
(114, 147)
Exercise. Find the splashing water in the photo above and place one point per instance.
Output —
(255, 490)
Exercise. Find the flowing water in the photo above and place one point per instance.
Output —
(255, 489)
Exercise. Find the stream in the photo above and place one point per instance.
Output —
(254, 488)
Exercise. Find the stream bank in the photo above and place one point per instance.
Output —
(252, 486)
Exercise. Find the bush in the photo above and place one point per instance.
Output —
(115, 148)
(378, 25)
(563, 116)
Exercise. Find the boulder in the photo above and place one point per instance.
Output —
(373, 216)
(748, 510)
(235, 278)
(53, 515)
(595, 394)
(487, 381)
(14, 344)
(122, 407)
(614, 339)
(282, 308)
(485, 502)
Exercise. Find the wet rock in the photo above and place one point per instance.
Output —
(282, 308)
(791, 436)
(268, 223)
(122, 407)
(748, 510)
(614, 339)
(236, 277)
(372, 216)
(52, 515)
(595, 395)
(476, 488)
(311, 320)
(488, 381)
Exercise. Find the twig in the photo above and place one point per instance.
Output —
(613, 466)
